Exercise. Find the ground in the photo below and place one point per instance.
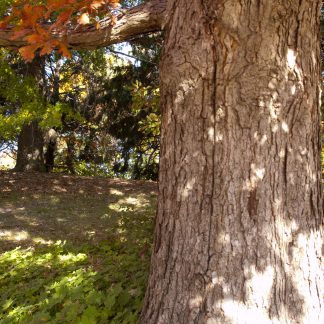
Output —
(76, 247)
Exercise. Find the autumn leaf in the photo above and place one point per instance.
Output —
(4, 23)
(34, 38)
(64, 50)
(35, 23)
(20, 33)
(49, 46)
(84, 19)
(64, 16)
(53, 5)
(113, 20)
(28, 52)
(114, 4)
(97, 4)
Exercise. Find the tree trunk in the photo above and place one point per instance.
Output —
(238, 233)
(70, 154)
(30, 155)
(51, 142)
(30, 149)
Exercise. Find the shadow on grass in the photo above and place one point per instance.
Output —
(40, 219)
(99, 273)
(65, 284)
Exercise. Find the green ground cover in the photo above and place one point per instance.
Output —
(74, 250)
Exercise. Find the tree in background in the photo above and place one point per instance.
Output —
(20, 102)
(104, 90)
(27, 112)
(239, 227)
(80, 106)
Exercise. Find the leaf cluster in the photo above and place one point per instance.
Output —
(38, 21)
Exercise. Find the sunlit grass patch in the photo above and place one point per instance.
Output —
(64, 284)
(96, 271)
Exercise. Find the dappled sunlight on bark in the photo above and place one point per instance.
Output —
(239, 170)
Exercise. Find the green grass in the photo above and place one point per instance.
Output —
(73, 257)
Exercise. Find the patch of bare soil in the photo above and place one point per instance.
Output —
(38, 208)
(27, 182)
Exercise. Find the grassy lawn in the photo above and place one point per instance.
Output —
(73, 249)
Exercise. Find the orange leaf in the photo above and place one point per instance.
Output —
(49, 46)
(84, 19)
(64, 50)
(53, 5)
(114, 4)
(34, 38)
(42, 31)
(20, 33)
(113, 20)
(63, 17)
(5, 21)
(97, 4)
(28, 52)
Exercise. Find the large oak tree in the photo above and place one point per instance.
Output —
(239, 226)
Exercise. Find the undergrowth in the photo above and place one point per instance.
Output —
(62, 284)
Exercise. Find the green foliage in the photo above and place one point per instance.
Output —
(146, 98)
(104, 110)
(4, 5)
(52, 116)
(22, 101)
(83, 168)
(62, 284)
(99, 275)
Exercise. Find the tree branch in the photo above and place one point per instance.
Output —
(142, 19)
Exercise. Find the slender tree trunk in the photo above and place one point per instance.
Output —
(49, 156)
(30, 155)
(238, 233)
(30, 149)
(70, 154)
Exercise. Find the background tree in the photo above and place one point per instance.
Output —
(104, 90)
(20, 104)
(28, 110)
(80, 102)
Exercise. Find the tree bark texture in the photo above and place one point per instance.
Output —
(239, 227)
(30, 149)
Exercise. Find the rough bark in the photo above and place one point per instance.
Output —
(30, 149)
(145, 18)
(239, 226)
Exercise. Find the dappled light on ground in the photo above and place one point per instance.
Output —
(45, 214)
(73, 250)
